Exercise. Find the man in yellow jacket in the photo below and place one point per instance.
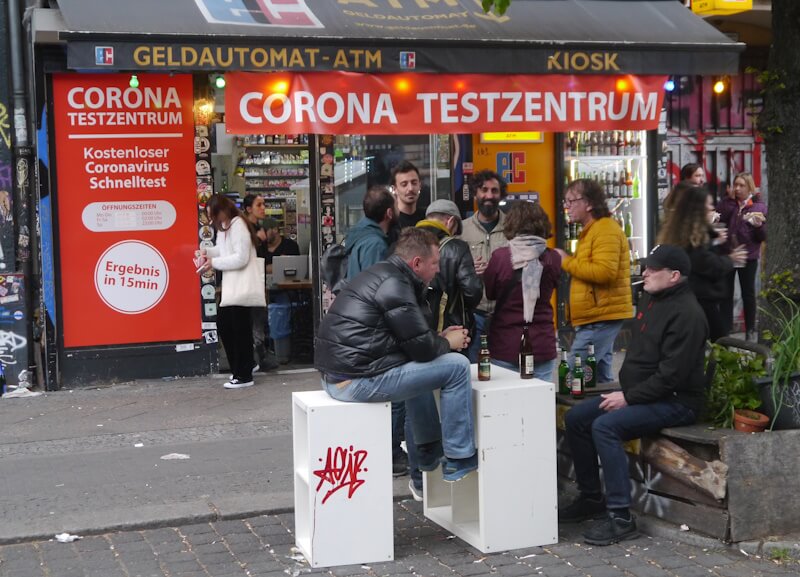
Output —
(600, 290)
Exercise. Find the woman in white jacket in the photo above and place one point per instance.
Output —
(242, 285)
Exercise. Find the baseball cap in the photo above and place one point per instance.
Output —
(448, 207)
(671, 257)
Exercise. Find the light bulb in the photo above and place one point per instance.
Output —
(219, 82)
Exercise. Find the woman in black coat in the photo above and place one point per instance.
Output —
(689, 223)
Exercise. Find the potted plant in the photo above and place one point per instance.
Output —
(780, 388)
(733, 387)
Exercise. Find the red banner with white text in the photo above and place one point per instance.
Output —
(126, 208)
(353, 103)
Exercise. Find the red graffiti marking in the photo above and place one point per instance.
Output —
(341, 470)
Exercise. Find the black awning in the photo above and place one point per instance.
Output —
(534, 36)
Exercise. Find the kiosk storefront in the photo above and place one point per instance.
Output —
(321, 82)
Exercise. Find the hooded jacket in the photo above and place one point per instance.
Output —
(665, 360)
(710, 267)
(377, 323)
(365, 245)
(739, 230)
(455, 280)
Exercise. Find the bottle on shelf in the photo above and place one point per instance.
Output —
(637, 263)
(623, 190)
(636, 185)
(590, 372)
(637, 143)
(576, 387)
(606, 143)
(564, 375)
(628, 184)
(615, 193)
(621, 143)
(484, 360)
(593, 145)
(628, 224)
(525, 354)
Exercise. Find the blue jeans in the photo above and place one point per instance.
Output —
(414, 383)
(475, 344)
(602, 335)
(592, 432)
(541, 369)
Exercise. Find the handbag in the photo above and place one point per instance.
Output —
(244, 287)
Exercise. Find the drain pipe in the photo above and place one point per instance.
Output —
(23, 167)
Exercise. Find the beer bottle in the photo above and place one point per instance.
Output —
(590, 372)
(525, 355)
(484, 361)
(628, 224)
(576, 388)
(3, 389)
(564, 377)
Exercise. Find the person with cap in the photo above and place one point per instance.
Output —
(663, 385)
(456, 289)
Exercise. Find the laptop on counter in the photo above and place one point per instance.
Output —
(289, 268)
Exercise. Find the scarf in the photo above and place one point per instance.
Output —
(525, 253)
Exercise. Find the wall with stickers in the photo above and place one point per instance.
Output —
(7, 255)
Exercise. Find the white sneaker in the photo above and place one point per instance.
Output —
(417, 494)
(237, 384)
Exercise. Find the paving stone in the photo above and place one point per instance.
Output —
(712, 560)
(562, 571)
(470, 569)
(514, 570)
(647, 571)
(604, 571)
(126, 537)
(585, 560)
(694, 571)
(231, 527)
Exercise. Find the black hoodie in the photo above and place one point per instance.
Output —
(665, 360)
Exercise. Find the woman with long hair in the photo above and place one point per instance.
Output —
(688, 224)
(254, 210)
(242, 285)
(520, 278)
(745, 215)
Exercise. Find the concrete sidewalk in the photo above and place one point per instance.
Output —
(89, 460)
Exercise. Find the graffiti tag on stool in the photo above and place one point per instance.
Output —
(341, 470)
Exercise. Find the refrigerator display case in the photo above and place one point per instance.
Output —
(618, 160)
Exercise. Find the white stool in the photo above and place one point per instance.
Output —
(342, 480)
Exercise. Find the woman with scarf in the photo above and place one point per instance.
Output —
(520, 278)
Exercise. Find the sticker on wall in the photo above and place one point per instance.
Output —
(210, 337)
(202, 167)
(207, 292)
(201, 144)
(206, 232)
(210, 310)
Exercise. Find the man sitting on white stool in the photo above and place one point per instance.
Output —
(375, 345)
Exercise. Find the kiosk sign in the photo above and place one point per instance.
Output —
(126, 208)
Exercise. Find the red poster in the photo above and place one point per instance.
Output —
(352, 103)
(127, 210)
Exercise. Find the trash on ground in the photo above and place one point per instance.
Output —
(67, 538)
(684, 527)
(174, 457)
(20, 393)
(138, 445)
(24, 379)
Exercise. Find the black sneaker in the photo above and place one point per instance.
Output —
(612, 529)
(400, 465)
(582, 508)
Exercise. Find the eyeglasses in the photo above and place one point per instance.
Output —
(570, 201)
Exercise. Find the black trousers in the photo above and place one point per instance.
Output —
(236, 334)
(747, 284)
(715, 318)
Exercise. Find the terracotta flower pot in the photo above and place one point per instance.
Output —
(749, 421)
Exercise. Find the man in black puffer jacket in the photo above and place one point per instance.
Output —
(457, 289)
(663, 385)
(375, 345)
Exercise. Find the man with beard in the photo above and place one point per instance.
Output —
(406, 186)
(367, 242)
(483, 231)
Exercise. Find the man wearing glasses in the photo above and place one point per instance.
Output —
(483, 231)
(663, 385)
(600, 286)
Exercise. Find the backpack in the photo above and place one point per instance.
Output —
(333, 267)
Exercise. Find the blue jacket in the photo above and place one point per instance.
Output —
(366, 244)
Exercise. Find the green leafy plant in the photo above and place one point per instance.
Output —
(733, 386)
(784, 339)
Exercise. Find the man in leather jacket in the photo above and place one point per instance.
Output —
(375, 345)
(456, 289)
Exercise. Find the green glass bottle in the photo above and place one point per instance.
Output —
(590, 372)
(564, 377)
(484, 360)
